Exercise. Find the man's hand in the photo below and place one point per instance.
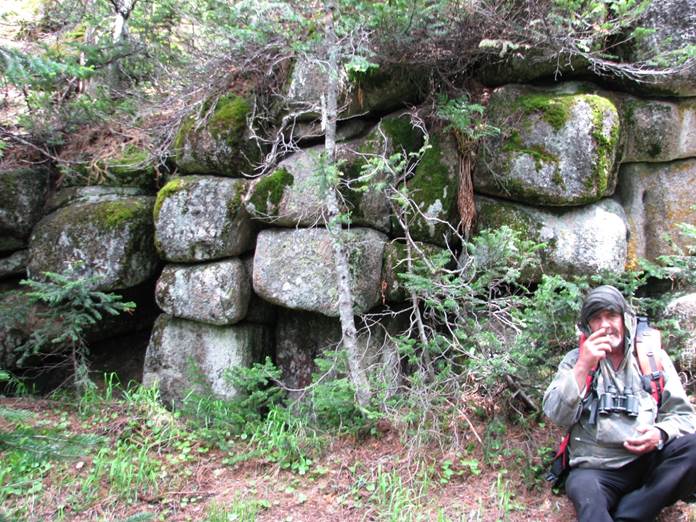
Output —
(594, 349)
(647, 441)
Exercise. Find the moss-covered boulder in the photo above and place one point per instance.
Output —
(657, 197)
(296, 269)
(185, 355)
(502, 65)
(379, 90)
(396, 265)
(200, 218)
(292, 196)
(22, 197)
(580, 241)
(132, 166)
(432, 213)
(555, 148)
(658, 130)
(217, 140)
(214, 293)
(111, 240)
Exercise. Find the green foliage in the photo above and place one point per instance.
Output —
(72, 303)
(465, 118)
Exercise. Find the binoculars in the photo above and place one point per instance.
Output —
(612, 402)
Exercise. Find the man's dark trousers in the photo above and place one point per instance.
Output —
(639, 490)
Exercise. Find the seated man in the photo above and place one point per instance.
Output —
(627, 462)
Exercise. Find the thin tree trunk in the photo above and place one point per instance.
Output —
(123, 10)
(358, 375)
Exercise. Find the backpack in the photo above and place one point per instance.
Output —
(648, 346)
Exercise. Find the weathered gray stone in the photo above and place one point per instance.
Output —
(387, 88)
(186, 355)
(683, 310)
(295, 268)
(200, 218)
(111, 240)
(14, 264)
(396, 264)
(215, 293)
(674, 27)
(581, 241)
(657, 198)
(301, 337)
(217, 141)
(555, 148)
(433, 188)
(22, 195)
(259, 311)
(656, 130)
(311, 131)
(292, 194)
(91, 194)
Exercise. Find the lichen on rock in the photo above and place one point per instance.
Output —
(112, 240)
(201, 218)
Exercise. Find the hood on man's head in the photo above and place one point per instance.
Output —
(604, 297)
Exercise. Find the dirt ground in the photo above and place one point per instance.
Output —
(376, 478)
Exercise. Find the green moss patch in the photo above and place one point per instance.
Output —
(268, 192)
(606, 145)
(115, 214)
(169, 189)
(554, 109)
(229, 119)
(402, 134)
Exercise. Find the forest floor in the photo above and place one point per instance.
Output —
(111, 462)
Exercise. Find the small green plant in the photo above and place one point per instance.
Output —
(239, 510)
(70, 306)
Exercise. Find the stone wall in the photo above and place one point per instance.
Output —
(600, 175)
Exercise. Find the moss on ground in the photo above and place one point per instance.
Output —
(268, 192)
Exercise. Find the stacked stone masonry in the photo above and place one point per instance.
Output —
(601, 175)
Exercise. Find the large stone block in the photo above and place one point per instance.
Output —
(91, 194)
(381, 90)
(658, 130)
(431, 215)
(555, 148)
(673, 25)
(301, 337)
(186, 355)
(111, 240)
(295, 268)
(581, 241)
(201, 218)
(396, 255)
(292, 194)
(217, 141)
(22, 196)
(657, 198)
(215, 293)
(683, 310)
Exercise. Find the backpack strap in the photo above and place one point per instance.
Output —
(648, 351)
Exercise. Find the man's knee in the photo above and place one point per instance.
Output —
(684, 446)
(583, 485)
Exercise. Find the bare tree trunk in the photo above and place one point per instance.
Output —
(358, 375)
(123, 10)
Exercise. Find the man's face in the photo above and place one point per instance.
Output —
(612, 323)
